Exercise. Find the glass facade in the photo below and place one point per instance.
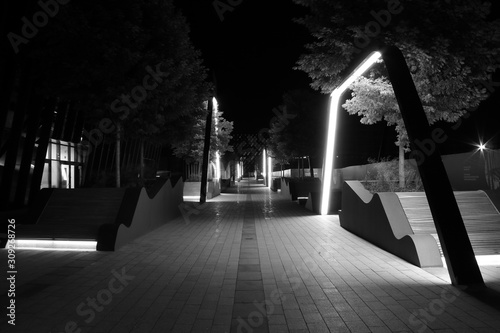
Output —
(63, 165)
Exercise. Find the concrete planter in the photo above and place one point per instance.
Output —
(314, 202)
(193, 189)
(302, 187)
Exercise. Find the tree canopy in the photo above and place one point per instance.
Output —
(192, 150)
(131, 61)
(299, 134)
(451, 48)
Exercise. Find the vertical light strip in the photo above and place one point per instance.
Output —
(217, 156)
(217, 165)
(332, 128)
(269, 171)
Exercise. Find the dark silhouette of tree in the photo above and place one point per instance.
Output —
(129, 61)
(301, 132)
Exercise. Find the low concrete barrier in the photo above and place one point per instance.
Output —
(314, 202)
(213, 189)
(276, 184)
(149, 214)
(380, 219)
(193, 189)
(285, 189)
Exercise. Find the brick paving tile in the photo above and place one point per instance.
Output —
(318, 327)
(296, 323)
(220, 328)
(277, 319)
(278, 329)
(377, 329)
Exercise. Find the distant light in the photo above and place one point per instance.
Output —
(481, 146)
(332, 127)
(55, 245)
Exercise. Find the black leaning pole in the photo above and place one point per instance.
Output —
(457, 249)
(206, 150)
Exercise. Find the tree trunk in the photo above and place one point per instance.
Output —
(206, 150)
(118, 155)
(401, 167)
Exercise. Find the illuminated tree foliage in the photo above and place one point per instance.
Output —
(192, 150)
(452, 49)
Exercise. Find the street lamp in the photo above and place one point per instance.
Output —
(332, 127)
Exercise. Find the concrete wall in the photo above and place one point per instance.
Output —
(193, 189)
(152, 213)
(381, 220)
(285, 190)
(466, 171)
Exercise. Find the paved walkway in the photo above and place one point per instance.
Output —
(243, 262)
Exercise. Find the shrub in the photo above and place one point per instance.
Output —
(383, 176)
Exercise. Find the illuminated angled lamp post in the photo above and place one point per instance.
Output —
(455, 243)
(332, 127)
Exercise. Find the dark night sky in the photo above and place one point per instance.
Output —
(252, 53)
